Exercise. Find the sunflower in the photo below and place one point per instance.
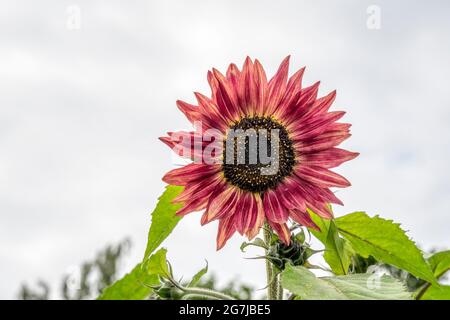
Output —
(301, 133)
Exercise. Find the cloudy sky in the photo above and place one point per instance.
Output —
(87, 87)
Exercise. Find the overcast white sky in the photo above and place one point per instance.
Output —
(81, 111)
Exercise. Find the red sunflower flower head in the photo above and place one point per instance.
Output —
(262, 151)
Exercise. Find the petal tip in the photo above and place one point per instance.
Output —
(286, 59)
(248, 61)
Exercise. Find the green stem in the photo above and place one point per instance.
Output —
(197, 297)
(200, 292)
(279, 290)
(272, 280)
(207, 293)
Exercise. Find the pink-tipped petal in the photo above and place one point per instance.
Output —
(226, 230)
(291, 195)
(192, 206)
(202, 189)
(257, 219)
(293, 89)
(245, 213)
(221, 203)
(190, 173)
(322, 177)
(274, 209)
(168, 141)
(282, 230)
(261, 87)
(324, 142)
(304, 99)
(277, 86)
(191, 112)
(247, 88)
(226, 97)
(321, 209)
(329, 158)
(308, 95)
(321, 105)
(313, 127)
(310, 193)
(233, 73)
(192, 145)
(211, 113)
(303, 218)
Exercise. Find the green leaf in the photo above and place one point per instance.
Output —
(157, 263)
(306, 286)
(440, 263)
(137, 284)
(338, 251)
(258, 242)
(437, 293)
(133, 286)
(385, 241)
(196, 278)
(164, 219)
(300, 236)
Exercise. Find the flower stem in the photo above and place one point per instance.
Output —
(279, 290)
(207, 293)
(200, 292)
(272, 279)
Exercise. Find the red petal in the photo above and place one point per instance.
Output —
(222, 203)
(261, 87)
(226, 230)
(226, 97)
(321, 105)
(277, 86)
(291, 195)
(282, 231)
(192, 145)
(325, 141)
(202, 189)
(258, 219)
(190, 173)
(273, 208)
(192, 206)
(308, 95)
(293, 88)
(191, 112)
(211, 113)
(321, 209)
(302, 104)
(322, 177)
(233, 74)
(303, 218)
(246, 213)
(247, 88)
(311, 128)
(311, 193)
(329, 158)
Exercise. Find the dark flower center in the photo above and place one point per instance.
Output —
(257, 154)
